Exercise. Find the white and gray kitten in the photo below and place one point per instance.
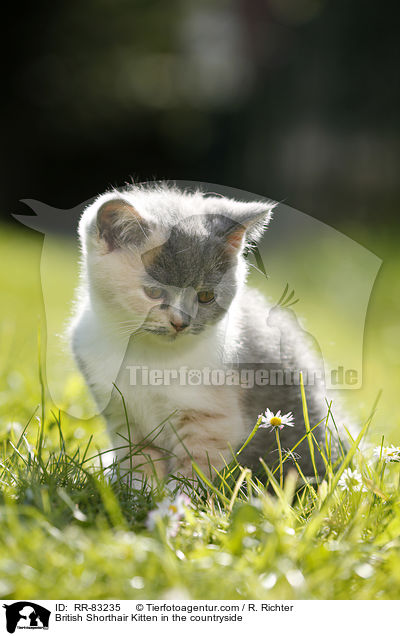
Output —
(163, 288)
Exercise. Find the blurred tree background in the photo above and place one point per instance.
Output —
(297, 100)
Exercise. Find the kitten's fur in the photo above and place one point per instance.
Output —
(182, 242)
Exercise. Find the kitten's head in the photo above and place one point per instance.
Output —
(166, 261)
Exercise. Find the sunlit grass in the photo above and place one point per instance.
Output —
(70, 529)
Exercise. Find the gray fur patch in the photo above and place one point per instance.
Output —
(195, 257)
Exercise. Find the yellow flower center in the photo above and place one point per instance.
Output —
(275, 421)
(173, 508)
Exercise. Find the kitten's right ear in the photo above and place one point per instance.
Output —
(119, 223)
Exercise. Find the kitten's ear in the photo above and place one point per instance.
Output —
(119, 223)
(249, 226)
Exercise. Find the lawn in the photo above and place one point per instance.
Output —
(67, 531)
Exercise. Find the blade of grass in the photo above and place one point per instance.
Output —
(307, 425)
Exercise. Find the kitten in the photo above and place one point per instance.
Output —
(164, 295)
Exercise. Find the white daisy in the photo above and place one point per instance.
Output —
(387, 453)
(172, 510)
(273, 421)
(351, 480)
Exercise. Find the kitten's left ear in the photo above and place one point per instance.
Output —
(118, 222)
(251, 221)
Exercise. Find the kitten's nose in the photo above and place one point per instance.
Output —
(178, 325)
(180, 322)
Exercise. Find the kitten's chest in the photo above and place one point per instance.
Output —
(155, 384)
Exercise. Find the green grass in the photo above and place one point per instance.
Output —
(67, 531)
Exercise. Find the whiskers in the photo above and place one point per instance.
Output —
(137, 328)
(127, 328)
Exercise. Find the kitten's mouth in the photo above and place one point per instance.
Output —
(172, 335)
(157, 330)
(168, 333)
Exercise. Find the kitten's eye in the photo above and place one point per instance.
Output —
(206, 297)
(153, 292)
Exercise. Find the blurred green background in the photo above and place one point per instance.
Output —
(296, 100)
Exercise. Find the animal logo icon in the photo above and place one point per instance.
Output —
(26, 615)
